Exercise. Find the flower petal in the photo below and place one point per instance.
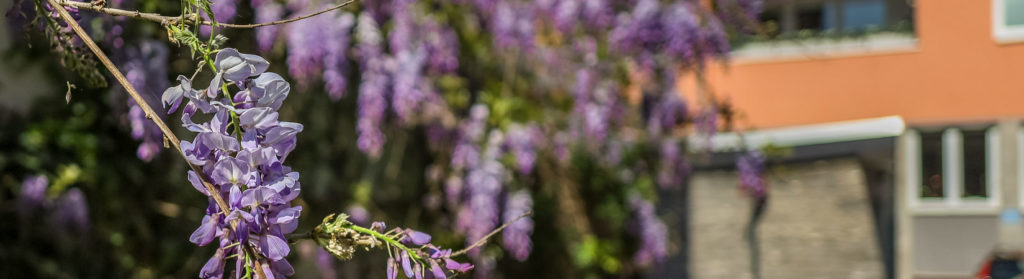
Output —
(214, 267)
(259, 117)
(406, 265)
(270, 90)
(274, 247)
(417, 237)
(437, 271)
(206, 231)
(197, 183)
(392, 269)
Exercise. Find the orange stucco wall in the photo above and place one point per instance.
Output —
(958, 73)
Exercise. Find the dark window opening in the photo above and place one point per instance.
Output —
(931, 165)
(810, 18)
(975, 164)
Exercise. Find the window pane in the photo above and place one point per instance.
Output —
(809, 17)
(1014, 12)
(771, 20)
(863, 14)
(975, 164)
(931, 164)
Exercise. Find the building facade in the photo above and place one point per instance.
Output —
(947, 75)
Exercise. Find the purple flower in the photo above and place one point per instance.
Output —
(224, 10)
(267, 11)
(669, 111)
(373, 86)
(707, 122)
(640, 28)
(235, 66)
(598, 113)
(651, 231)
(750, 166)
(358, 215)
(336, 60)
(523, 141)
(512, 26)
(673, 169)
(454, 265)
(517, 236)
(416, 237)
(566, 14)
(317, 47)
(413, 260)
(72, 210)
(245, 168)
(484, 184)
(145, 67)
(442, 45)
(471, 131)
(206, 232)
(715, 43)
(681, 30)
(325, 264)
(408, 91)
(400, 38)
(214, 267)
(597, 14)
(33, 194)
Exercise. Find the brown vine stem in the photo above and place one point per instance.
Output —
(488, 236)
(150, 114)
(166, 20)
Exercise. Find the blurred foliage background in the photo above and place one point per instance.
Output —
(140, 214)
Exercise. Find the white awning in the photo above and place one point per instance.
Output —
(843, 131)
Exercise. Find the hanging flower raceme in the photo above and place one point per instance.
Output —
(317, 48)
(241, 150)
(33, 194)
(750, 165)
(484, 183)
(673, 169)
(516, 237)
(652, 233)
(145, 67)
(267, 11)
(373, 86)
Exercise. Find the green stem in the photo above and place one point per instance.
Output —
(389, 240)
(248, 268)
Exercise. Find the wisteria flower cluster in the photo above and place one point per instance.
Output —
(70, 210)
(145, 67)
(408, 250)
(651, 231)
(750, 166)
(478, 193)
(244, 164)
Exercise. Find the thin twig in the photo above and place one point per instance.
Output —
(117, 12)
(199, 68)
(488, 236)
(335, 7)
(150, 113)
(165, 20)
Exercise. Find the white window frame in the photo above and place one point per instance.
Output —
(953, 172)
(1000, 31)
(1020, 167)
